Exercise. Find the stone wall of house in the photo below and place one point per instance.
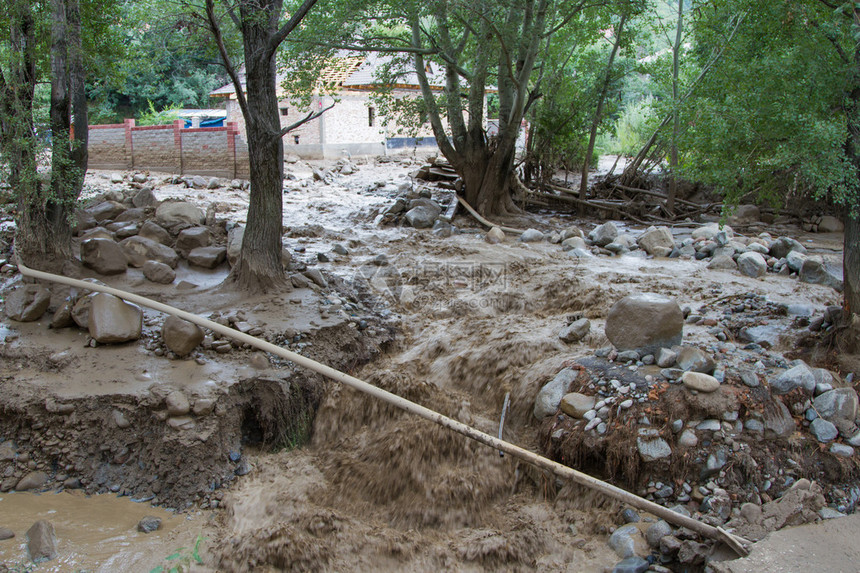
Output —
(210, 151)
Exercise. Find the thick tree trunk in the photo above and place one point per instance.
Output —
(259, 267)
(851, 264)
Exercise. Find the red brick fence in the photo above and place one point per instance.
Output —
(211, 151)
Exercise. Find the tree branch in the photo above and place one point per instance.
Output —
(228, 64)
(285, 30)
(309, 117)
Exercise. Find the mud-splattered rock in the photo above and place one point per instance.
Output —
(646, 322)
(140, 249)
(795, 260)
(104, 256)
(576, 405)
(800, 376)
(495, 236)
(815, 271)
(549, 397)
(170, 213)
(657, 241)
(422, 216)
(700, 382)
(120, 420)
(531, 236)
(666, 358)
(623, 540)
(694, 359)
(7, 451)
(207, 257)
(112, 320)
(177, 404)
(839, 406)
(634, 564)
(106, 210)
(6, 533)
(158, 272)
(41, 541)
(575, 331)
(27, 303)
(317, 277)
(180, 336)
(149, 524)
(765, 335)
(144, 198)
(33, 480)
(155, 232)
(234, 244)
(203, 406)
(752, 264)
(778, 420)
(604, 234)
(651, 446)
(657, 531)
(722, 263)
(190, 239)
(688, 439)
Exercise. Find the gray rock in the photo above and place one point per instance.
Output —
(84, 221)
(140, 249)
(234, 244)
(495, 236)
(715, 462)
(104, 256)
(629, 515)
(666, 358)
(190, 239)
(198, 182)
(112, 320)
(6, 533)
(657, 531)
(688, 439)
(823, 430)
(749, 378)
(782, 246)
(177, 404)
(753, 425)
(106, 210)
(710, 231)
(839, 406)
(752, 264)
(710, 425)
(531, 236)
(155, 232)
(144, 198)
(316, 276)
(149, 524)
(576, 405)
(97, 233)
(801, 376)
(207, 257)
(32, 480)
(657, 241)
(622, 540)
(549, 397)
(421, 217)
(815, 271)
(171, 212)
(604, 234)
(628, 356)
(830, 224)
(795, 260)
(651, 446)
(180, 336)
(634, 564)
(765, 335)
(700, 382)
(573, 243)
(119, 419)
(645, 322)
(842, 450)
(694, 359)
(722, 262)
(41, 541)
(158, 272)
(27, 303)
(744, 215)
(575, 331)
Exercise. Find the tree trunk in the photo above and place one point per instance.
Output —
(851, 264)
(673, 150)
(259, 267)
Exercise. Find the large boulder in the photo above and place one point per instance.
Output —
(104, 256)
(657, 241)
(140, 249)
(170, 213)
(646, 322)
(549, 397)
(816, 271)
(112, 320)
(692, 359)
(144, 198)
(180, 336)
(839, 406)
(777, 420)
(422, 216)
(41, 541)
(158, 272)
(207, 257)
(604, 234)
(782, 246)
(106, 210)
(576, 405)
(830, 224)
(711, 230)
(28, 303)
(800, 376)
(155, 232)
(752, 264)
(190, 239)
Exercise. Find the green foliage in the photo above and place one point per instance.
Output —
(153, 117)
(631, 130)
(181, 560)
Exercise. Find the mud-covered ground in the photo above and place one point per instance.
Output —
(451, 322)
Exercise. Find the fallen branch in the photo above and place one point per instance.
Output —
(484, 222)
(738, 544)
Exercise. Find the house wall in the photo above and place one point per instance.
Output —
(210, 151)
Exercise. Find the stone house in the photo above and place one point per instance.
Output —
(353, 126)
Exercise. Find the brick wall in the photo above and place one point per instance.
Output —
(210, 151)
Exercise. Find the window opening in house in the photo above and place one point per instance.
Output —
(285, 111)
(371, 116)
(296, 139)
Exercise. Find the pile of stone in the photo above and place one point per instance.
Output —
(717, 431)
(438, 170)
(418, 209)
